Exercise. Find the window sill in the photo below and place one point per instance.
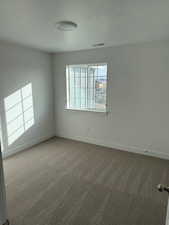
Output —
(88, 110)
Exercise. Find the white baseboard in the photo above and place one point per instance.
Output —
(133, 149)
(117, 146)
(20, 148)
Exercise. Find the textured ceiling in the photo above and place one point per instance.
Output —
(114, 22)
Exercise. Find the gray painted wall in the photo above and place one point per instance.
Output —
(18, 67)
(138, 99)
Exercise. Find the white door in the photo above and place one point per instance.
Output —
(162, 188)
(167, 218)
(3, 212)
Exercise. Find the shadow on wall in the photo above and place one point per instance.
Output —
(19, 113)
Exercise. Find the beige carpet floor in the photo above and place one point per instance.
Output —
(64, 182)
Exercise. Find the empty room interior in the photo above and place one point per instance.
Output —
(84, 112)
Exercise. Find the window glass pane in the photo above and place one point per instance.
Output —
(101, 93)
(83, 72)
(72, 95)
(27, 103)
(77, 81)
(72, 103)
(12, 113)
(91, 98)
(83, 82)
(71, 70)
(92, 71)
(77, 103)
(28, 114)
(83, 93)
(78, 91)
(72, 81)
(86, 87)
(91, 83)
(77, 71)
(102, 70)
(12, 100)
(83, 103)
(27, 90)
(14, 125)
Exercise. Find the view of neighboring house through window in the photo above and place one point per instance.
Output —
(19, 112)
(87, 86)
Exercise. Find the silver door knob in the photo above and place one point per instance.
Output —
(162, 188)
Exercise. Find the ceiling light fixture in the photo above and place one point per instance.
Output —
(66, 25)
(98, 45)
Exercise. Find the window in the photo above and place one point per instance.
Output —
(19, 112)
(87, 87)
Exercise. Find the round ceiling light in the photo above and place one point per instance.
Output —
(66, 25)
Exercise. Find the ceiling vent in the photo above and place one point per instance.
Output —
(98, 45)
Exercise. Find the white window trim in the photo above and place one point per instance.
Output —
(95, 110)
(88, 110)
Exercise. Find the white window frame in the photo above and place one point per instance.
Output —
(68, 86)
